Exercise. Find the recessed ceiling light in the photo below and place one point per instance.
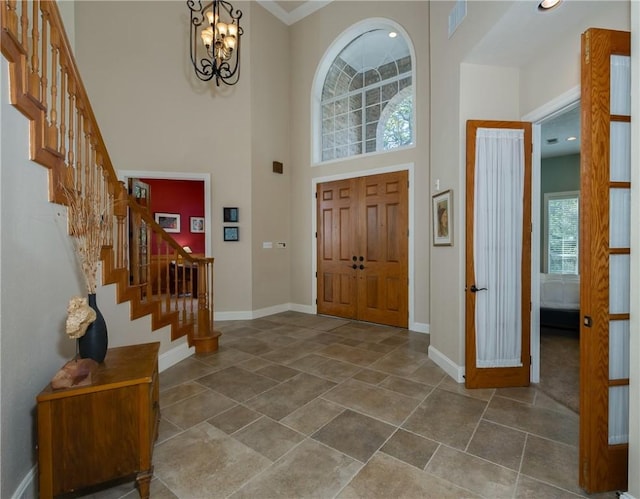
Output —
(392, 34)
(546, 5)
(572, 138)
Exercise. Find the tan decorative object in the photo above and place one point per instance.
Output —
(74, 373)
(79, 316)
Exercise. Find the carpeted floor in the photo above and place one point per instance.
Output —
(560, 366)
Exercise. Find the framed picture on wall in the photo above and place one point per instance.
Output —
(443, 218)
(230, 215)
(197, 224)
(170, 222)
(231, 233)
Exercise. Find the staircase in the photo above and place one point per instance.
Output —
(176, 290)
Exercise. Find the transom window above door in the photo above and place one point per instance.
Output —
(364, 93)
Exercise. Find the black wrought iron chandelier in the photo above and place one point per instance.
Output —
(215, 41)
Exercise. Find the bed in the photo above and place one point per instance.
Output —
(560, 301)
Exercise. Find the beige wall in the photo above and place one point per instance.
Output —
(271, 208)
(136, 69)
(484, 92)
(34, 293)
(310, 38)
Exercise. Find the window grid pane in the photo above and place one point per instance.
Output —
(353, 103)
(563, 234)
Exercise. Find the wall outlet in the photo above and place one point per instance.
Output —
(267, 245)
(281, 245)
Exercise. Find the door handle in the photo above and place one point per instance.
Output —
(474, 289)
(354, 266)
(361, 267)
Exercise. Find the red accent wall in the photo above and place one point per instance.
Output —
(184, 197)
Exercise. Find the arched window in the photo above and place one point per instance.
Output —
(364, 91)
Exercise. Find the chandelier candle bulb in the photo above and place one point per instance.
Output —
(217, 24)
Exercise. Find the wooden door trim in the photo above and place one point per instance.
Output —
(497, 377)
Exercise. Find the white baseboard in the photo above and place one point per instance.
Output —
(305, 309)
(626, 495)
(276, 309)
(450, 367)
(419, 327)
(26, 488)
(175, 355)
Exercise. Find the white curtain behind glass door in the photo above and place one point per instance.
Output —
(498, 214)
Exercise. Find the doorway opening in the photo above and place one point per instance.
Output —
(559, 288)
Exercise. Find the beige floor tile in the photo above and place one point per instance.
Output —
(472, 473)
(187, 370)
(269, 438)
(285, 398)
(370, 376)
(331, 369)
(196, 409)
(525, 394)
(528, 488)
(354, 434)
(377, 402)
(234, 419)
(313, 416)
(251, 345)
(551, 462)
(446, 417)
(290, 353)
(237, 383)
(428, 373)
(180, 392)
(254, 363)
(410, 448)
(311, 470)
(451, 385)
(277, 372)
(384, 477)
(350, 354)
(206, 463)
(401, 363)
(537, 420)
(225, 357)
(166, 430)
(409, 388)
(498, 444)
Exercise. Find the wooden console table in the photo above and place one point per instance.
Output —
(94, 434)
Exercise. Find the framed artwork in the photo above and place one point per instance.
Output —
(443, 218)
(230, 215)
(231, 233)
(197, 224)
(170, 222)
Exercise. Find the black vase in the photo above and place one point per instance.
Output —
(93, 345)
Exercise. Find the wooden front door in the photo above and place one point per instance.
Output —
(363, 248)
(605, 187)
(516, 279)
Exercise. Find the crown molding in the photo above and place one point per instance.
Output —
(296, 14)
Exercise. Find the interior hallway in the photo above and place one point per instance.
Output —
(297, 405)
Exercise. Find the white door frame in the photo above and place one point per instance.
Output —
(537, 117)
(123, 175)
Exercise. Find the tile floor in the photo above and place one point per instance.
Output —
(296, 405)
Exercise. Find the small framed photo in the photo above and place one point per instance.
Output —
(231, 233)
(443, 219)
(170, 222)
(230, 215)
(197, 224)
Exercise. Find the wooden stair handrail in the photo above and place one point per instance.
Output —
(45, 86)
